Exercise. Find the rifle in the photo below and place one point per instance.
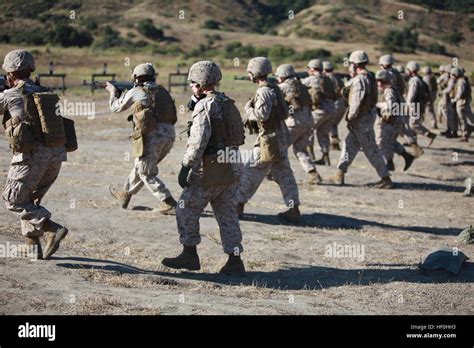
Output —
(121, 86)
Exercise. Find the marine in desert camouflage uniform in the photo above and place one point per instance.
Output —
(158, 142)
(415, 101)
(445, 87)
(299, 121)
(323, 110)
(388, 122)
(262, 109)
(360, 122)
(198, 192)
(339, 104)
(430, 80)
(31, 173)
(462, 102)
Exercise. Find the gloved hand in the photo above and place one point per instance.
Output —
(183, 176)
(248, 105)
(350, 125)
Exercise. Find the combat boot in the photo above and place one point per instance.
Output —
(417, 150)
(292, 215)
(338, 178)
(54, 234)
(409, 158)
(121, 196)
(168, 206)
(390, 165)
(188, 259)
(385, 183)
(446, 133)
(324, 161)
(314, 178)
(240, 209)
(32, 242)
(233, 265)
(431, 137)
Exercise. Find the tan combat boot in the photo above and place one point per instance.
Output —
(35, 242)
(188, 259)
(292, 215)
(417, 151)
(233, 265)
(168, 206)
(54, 234)
(314, 178)
(338, 178)
(385, 183)
(121, 196)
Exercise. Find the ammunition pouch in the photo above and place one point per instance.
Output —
(269, 148)
(143, 119)
(216, 173)
(138, 145)
(19, 135)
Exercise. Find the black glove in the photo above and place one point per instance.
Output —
(183, 176)
(350, 126)
(194, 100)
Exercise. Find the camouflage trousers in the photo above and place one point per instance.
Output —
(465, 115)
(145, 169)
(447, 111)
(405, 130)
(430, 114)
(386, 137)
(223, 200)
(340, 109)
(361, 135)
(27, 183)
(281, 172)
(416, 123)
(323, 123)
(300, 139)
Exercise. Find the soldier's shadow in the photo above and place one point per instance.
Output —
(289, 277)
(331, 221)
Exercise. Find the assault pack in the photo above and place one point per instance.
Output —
(43, 123)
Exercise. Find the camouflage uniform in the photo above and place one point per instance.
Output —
(281, 171)
(323, 118)
(339, 105)
(386, 133)
(31, 174)
(414, 89)
(157, 145)
(462, 102)
(361, 132)
(299, 124)
(196, 197)
(430, 80)
(445, 107)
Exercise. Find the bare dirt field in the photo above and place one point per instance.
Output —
(110, 263)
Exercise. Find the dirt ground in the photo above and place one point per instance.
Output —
(110, 263)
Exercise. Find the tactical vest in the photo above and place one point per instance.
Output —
(423, 95)
(467, 95)
(300, 98)
(161, 104)
(279, 110)
(228, 130)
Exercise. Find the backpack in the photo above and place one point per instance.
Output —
(231, 130)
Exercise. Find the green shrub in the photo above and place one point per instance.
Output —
(148, 29)
(67, 36)
(436, 49)
(405, 41)
(211, 24)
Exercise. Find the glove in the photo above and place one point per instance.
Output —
(350, 125)
(183, 176)
(248, 105)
